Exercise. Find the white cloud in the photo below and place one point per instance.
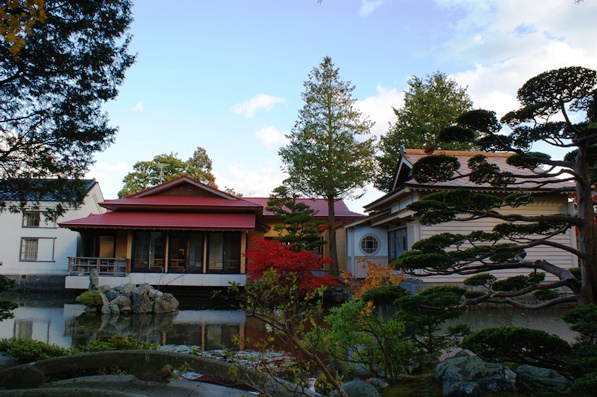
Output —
(271, 137)
(110, 176)
(138, 107)
(368, 6)
(379, 108)
(507, 42)
(254, 180)
(259, 102)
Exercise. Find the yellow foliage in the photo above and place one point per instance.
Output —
(377, 276)
(17, 18)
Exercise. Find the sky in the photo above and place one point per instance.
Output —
(227, 75)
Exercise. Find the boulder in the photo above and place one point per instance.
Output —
(471, 376)
(358, 388)
(537, 378)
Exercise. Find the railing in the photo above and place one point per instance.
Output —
(82, 266)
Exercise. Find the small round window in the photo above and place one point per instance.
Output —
(369, 244)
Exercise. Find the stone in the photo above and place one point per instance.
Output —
(471, 376)
(166, 303)
(358, 388)
(537, 378)
(141, 303)
(93, 280)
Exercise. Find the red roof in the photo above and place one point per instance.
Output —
(164, 220)
(319, 205)
(178, 202)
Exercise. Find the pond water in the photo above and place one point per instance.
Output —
(210, 324)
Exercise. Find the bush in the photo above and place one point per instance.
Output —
(29, 350)
(518, 345)
(117, 342)
(583, 319)
(91, 299)
(385, 295)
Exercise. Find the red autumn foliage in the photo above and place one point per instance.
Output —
(290, 265)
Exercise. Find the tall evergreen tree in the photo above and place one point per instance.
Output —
(430, 105)
(329, 154)
(52, 86)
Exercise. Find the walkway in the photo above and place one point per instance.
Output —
(126, 385)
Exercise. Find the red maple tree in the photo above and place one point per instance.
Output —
(292, 266)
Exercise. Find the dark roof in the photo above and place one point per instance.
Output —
(60, 190)
(411, 156)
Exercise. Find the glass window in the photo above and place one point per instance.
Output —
(29, 249)
(149, 250)
(31, 218)
(397, 243)
(37, 249)
(223, 252)
(369, 244)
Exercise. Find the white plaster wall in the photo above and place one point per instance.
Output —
(65, 243)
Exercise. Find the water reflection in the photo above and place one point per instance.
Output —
(209, 324)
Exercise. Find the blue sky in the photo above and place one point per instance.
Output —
(227, 75)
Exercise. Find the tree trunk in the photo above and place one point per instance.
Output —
(334, 269)
(586, 231)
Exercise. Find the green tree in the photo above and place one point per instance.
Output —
(329, 155)
(165, 167)
(553, 104)
(430, 105)
(298, 224)
(51, 120)
(6, 306)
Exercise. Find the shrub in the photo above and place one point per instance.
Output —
(385, 295)
(91, 299)
(423, 316)
(583, 319)
(359, 336)
(29, 350)
(117, 342)
(518, 345)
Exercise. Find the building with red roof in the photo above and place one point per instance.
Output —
(179, 233)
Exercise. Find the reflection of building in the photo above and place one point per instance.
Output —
(32, 245)
(205, 329)
(179, 233)
(391, 228)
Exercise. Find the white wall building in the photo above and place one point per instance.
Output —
(32, 245)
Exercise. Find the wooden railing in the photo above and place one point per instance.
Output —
(81, 266)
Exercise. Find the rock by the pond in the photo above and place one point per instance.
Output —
(128, 299)
(471, 376)
(358, 388)
(537, 378)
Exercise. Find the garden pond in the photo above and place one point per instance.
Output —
(204, 322)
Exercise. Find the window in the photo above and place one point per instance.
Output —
(369, 244)
(397, 243)
(37, 249)
(149, 250)
(33, 218)
(223, 252)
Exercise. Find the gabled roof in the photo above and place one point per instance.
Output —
(180, 194)
(403, 180)
(319, 205)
